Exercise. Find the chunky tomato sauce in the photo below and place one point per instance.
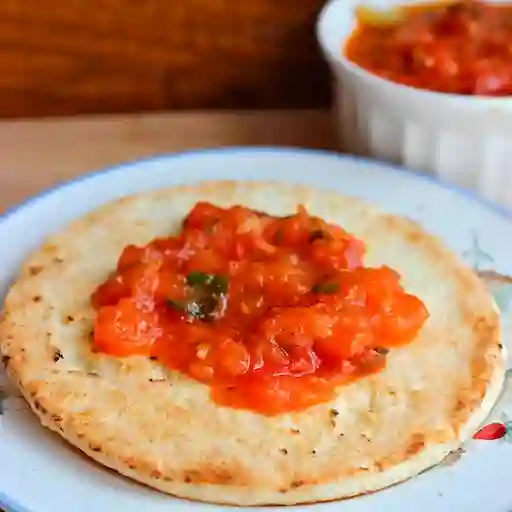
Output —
(461, 48)
(271, 313)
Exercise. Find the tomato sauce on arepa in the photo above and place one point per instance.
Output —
(272, 313)
(462, 47)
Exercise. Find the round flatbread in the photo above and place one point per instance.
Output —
(161, 428)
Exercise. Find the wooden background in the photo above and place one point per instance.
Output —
(61, 57)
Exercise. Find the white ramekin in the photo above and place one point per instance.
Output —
(465, 140)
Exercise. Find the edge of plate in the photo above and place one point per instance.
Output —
(10, 504)
(278, 150)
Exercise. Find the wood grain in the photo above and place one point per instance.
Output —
(62, 57)
(39, 154)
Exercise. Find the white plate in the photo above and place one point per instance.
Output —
(40, 473)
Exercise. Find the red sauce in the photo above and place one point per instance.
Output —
(271, 313)
(461, 48)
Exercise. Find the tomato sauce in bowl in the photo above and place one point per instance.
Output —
(272, 313)
(462, 47)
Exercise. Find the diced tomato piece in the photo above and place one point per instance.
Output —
(131, 255)
(337, 254)
(293, 231)
(202, 216)
(303, 361)
(206, 260)
(193, 239)
(281, 280)
(142, 279)
(231, 359)
(400, 323)
(170, 286)
(110, 292)
(126, 330)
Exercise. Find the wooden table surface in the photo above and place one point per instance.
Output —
(40, 153)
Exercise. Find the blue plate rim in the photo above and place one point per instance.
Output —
(11, 505)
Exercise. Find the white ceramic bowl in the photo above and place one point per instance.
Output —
(465, 140)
